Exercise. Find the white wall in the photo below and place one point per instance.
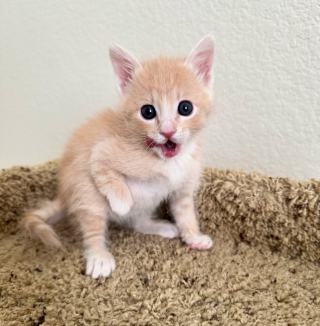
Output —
(55, 72)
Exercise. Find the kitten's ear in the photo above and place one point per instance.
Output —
(201, 59)
(124, 66)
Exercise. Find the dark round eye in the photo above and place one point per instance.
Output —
(185, 108)
(148, 111)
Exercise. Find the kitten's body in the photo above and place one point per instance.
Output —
(111, 171)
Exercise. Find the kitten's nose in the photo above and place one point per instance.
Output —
(167, 134)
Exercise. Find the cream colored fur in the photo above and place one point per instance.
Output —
(109, 173)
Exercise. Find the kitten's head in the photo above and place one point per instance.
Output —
(167, 101)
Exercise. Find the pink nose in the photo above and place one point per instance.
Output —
(167, 134)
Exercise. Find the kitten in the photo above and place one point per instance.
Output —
(121, 164)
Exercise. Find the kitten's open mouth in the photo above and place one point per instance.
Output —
(169, 149)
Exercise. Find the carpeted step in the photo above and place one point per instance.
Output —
(263, 268)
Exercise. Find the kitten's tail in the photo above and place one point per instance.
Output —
(37, 222)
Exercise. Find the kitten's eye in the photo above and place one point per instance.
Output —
(185, 108)
(148, 111)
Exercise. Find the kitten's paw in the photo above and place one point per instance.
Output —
(100, 264)
(168, 230)
(120, 206)
(200, 242)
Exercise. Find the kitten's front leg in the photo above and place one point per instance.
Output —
(182, 207)
(111, 184)
(90, 213)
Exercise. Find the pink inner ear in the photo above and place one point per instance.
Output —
(205, 72)
(124, 65)
(203, 63)
(201, 58)
(124, 75)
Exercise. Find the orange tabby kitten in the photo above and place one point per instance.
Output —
(121, 164)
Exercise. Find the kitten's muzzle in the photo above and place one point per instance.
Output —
(168, 149)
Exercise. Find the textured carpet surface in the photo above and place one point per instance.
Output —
(263, 269)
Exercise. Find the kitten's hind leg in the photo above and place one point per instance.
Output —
(148, 225)
(182, 207)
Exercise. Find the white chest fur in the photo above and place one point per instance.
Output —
(147, 195)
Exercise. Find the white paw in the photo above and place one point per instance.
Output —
(120, 207)
(168, 230)
(100, 265)
(200, 242)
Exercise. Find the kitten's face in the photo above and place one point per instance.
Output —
(167, 102)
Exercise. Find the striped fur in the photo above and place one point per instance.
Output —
(38, 223)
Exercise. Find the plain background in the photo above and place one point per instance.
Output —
(55, 72)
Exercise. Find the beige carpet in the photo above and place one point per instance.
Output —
(263, 269)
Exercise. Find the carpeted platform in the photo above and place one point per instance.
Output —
(263, 269)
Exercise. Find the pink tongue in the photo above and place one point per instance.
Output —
(170, 149)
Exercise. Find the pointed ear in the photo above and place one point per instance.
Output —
(201, 60)
(124, 66)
